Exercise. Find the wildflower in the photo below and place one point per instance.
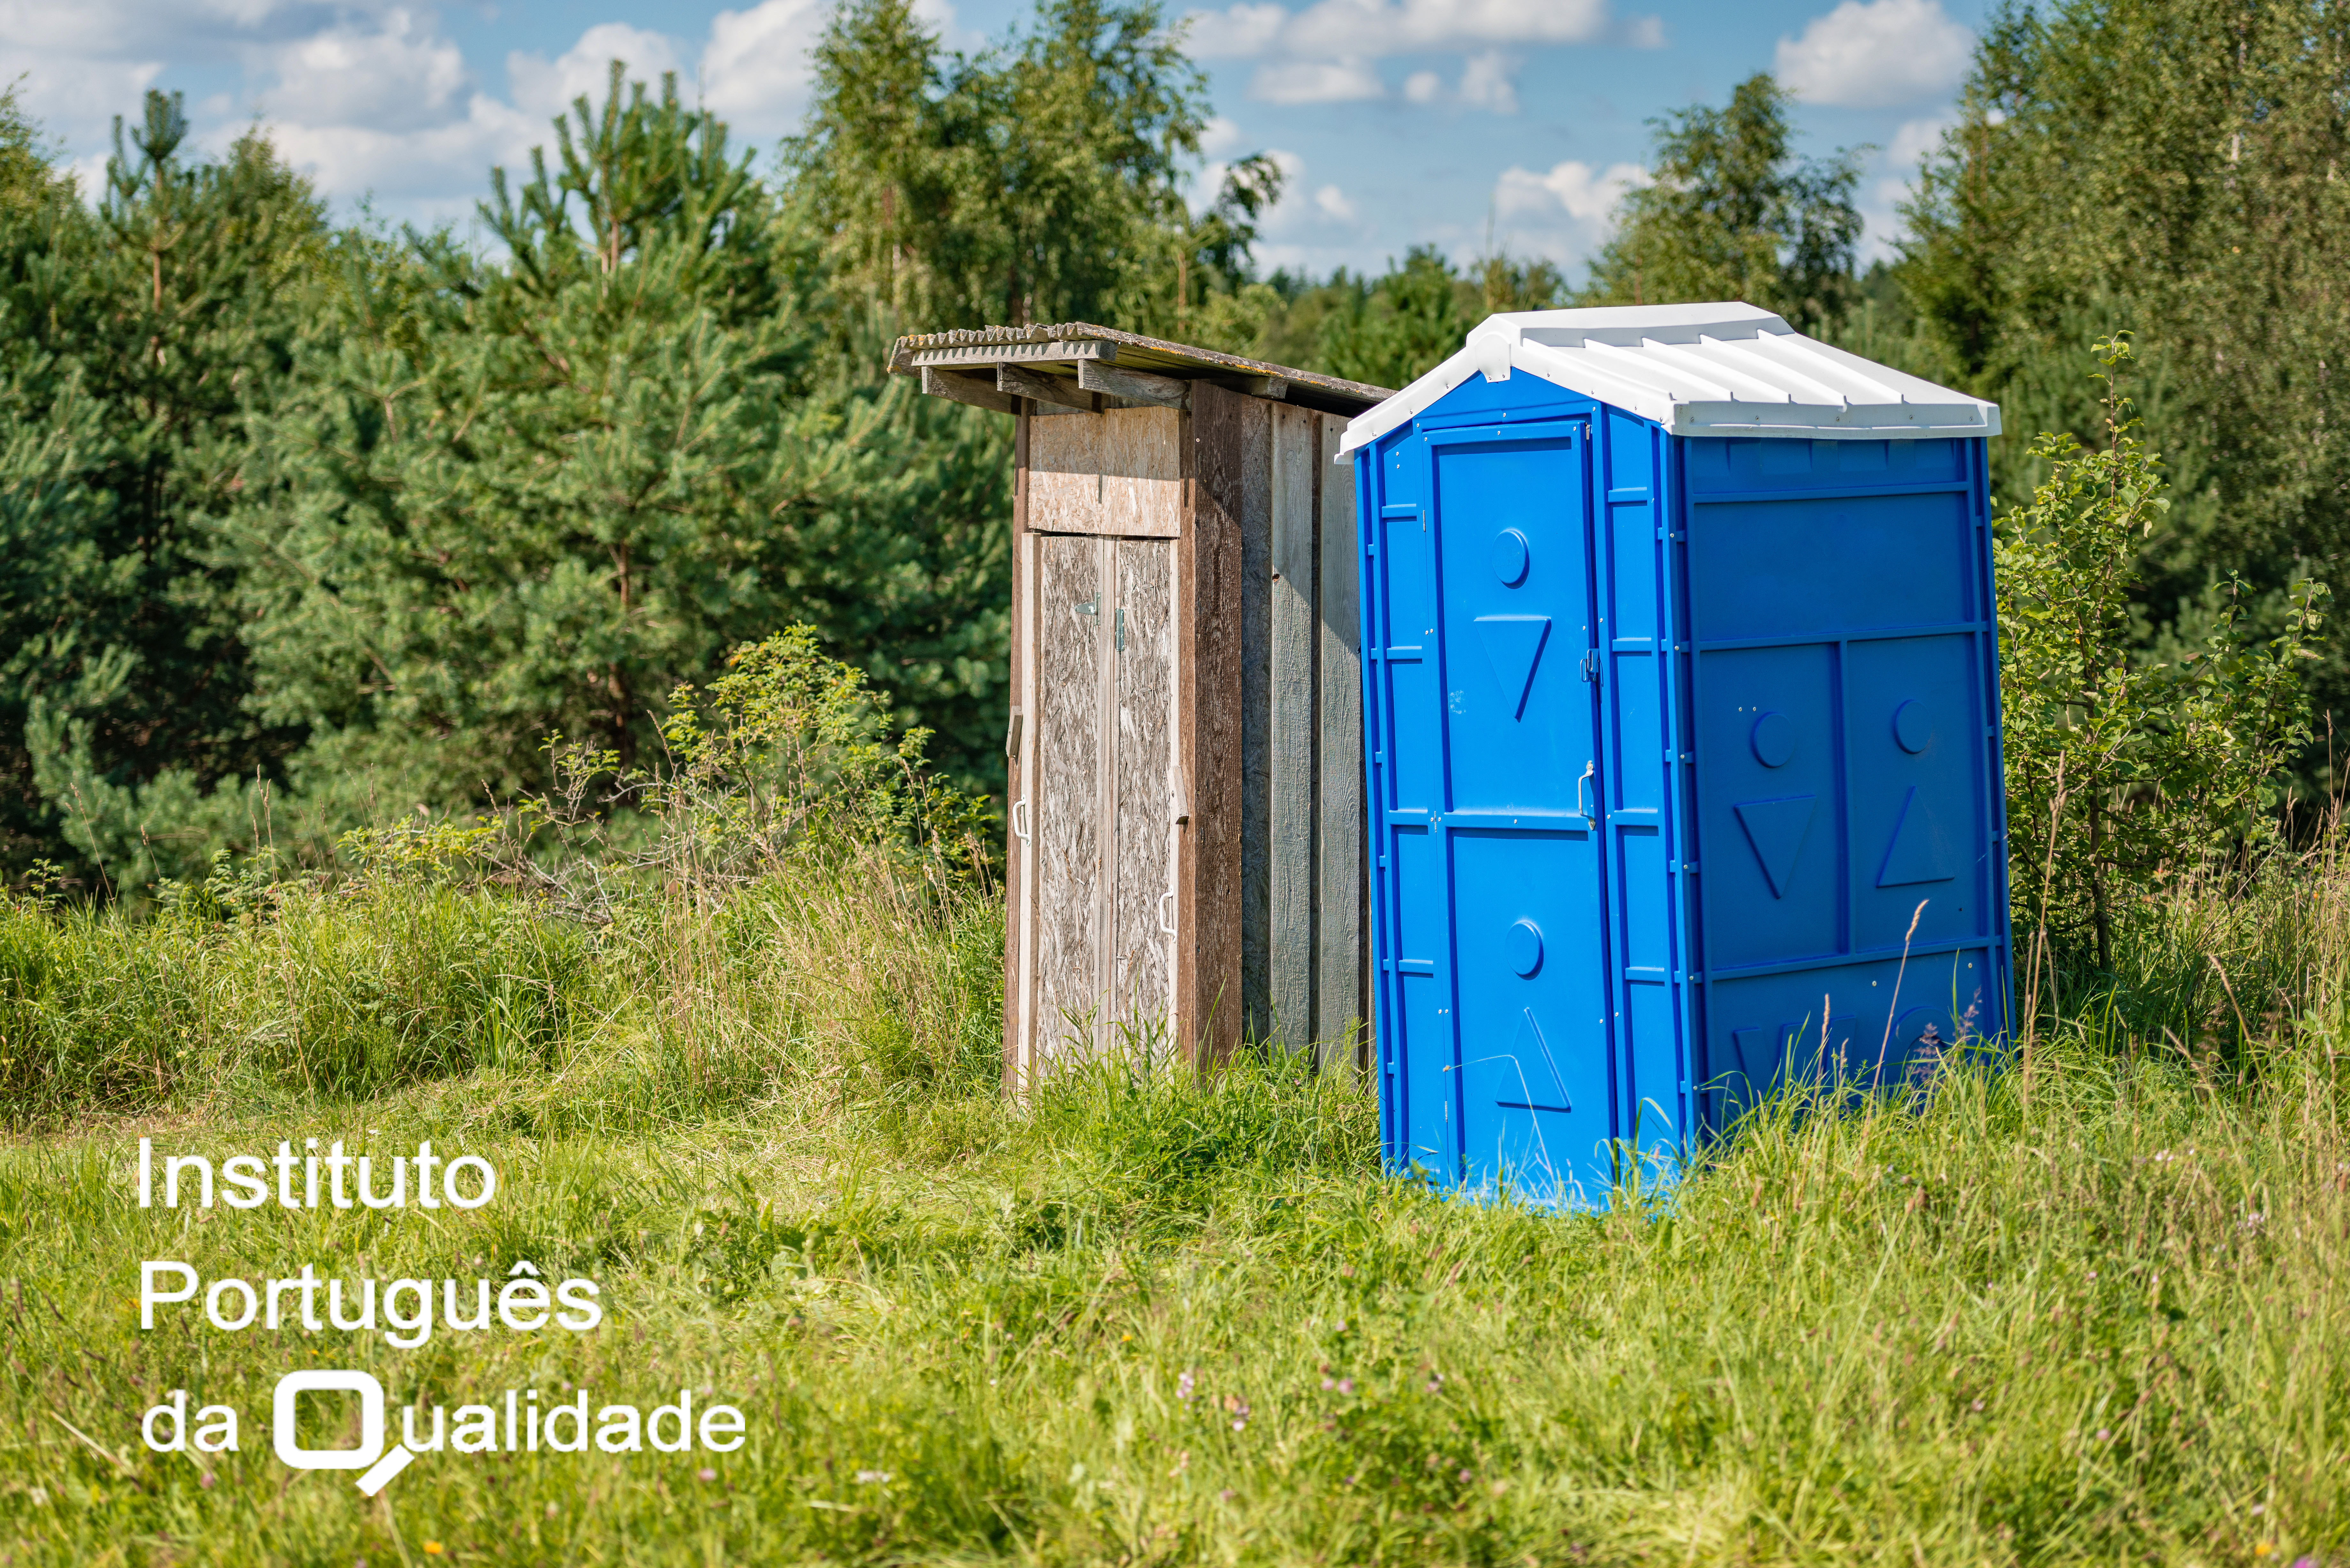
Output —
(873, 1477)
(1225, 1495)
(1464, 1475)
(207, 1480)
(1183, 1385)
(434, 1548)
(706, 1473)
(1435, 1381)
(552, 1510)
(2103, 1435)
(2258, 1508)
(1345, 1386)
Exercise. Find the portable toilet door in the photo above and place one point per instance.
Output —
(1681, 721)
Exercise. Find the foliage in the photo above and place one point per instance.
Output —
(138, 339)
(511, 500)
(2122, 771)
(2181, 168)
(1733, 213)
(1037, 180)
(786, 753)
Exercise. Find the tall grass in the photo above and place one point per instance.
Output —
(2087, 1303)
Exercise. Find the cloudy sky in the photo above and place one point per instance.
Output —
(1461, 123)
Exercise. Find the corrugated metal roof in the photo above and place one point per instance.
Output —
(1722, 369)
(1056, 350)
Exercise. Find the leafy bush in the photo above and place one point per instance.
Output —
(2122, 771)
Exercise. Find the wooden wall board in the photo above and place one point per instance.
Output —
(1210, 574)
(1119, 473)
(1293, 742)
(1140, 952)
(1067, 822)
(1016, 863)
(1342, 889)
(1256, 733)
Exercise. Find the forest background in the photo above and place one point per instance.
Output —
(307, 526)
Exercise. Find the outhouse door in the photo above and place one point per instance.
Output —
(1490, 806)
(1104, 793)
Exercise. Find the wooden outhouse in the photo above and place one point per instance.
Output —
(1186, 832)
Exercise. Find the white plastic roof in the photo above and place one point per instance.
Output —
(1698, 371)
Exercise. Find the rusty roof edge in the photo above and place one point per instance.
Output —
(901, 354)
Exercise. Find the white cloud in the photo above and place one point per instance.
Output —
(1334, 202)
(1239, 33)
(1485, 83)
(1219, 136)
(754, 70)
(1317, 81)
(1374, 29)
(1423, 87)
(1875, 54)
(1565, 214)
(546, 88)
(396, 77)
(374, 96)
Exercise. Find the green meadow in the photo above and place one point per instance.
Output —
(2087, 1304)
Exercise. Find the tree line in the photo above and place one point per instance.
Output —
(312, 524)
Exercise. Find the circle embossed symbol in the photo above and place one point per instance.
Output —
(1913, 726)
(1524, 943)
(1512, 556)
(1774, 740)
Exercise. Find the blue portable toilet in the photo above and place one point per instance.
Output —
(1681, 728)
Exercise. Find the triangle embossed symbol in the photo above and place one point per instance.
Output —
(1917, 852)
(1776, 829)
(1513, 647)
(1530, 1047)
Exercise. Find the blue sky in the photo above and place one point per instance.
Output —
(1458, 123)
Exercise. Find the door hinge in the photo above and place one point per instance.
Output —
(1120, 636)
(1591, 667)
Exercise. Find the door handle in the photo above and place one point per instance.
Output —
(1162, 913)
(1590, 772)
(1020, 828)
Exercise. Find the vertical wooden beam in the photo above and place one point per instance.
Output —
(1256, 718)
(1291, 655)
(1209, 583)
(1016, 863)
(1341, 893)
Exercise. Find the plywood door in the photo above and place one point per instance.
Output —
(1144, 769)
(1068, 841)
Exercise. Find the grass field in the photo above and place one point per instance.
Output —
(2089, 1309)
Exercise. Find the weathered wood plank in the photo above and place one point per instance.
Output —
(1272, 387)
(1210, 576)
(1293, 646)
(1018, 939)
(1120, 474)
(1066, 820)
(1256, 733)
(1138, 386)
(979, 392)
(1142, 641)
(1059, 390)
(1341, 1009)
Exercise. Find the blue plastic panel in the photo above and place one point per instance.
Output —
(1684, 764)
(1491, 934)
(1845, 777)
